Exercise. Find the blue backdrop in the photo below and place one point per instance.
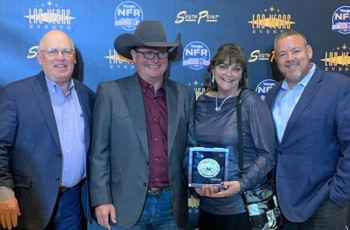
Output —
(204, 24)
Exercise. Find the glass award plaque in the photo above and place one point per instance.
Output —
(207, 166)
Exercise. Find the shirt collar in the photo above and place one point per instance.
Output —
(145, 85)
(53, 86)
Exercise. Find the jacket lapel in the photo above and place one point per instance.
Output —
(86, 111)
(305, 99)
(42, 95)
(270, 99)
(134, 101)
(173, 114)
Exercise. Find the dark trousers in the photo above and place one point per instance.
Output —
(209, 221)
(327, 217)
(68, 211)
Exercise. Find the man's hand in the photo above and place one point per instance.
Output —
(103, 212)
(9, 212)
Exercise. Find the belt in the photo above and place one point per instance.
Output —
(63, 189)
(155, 191)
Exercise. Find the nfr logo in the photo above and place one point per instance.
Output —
(341, 20)
(128, 15)
(196, 55)
(263, 87)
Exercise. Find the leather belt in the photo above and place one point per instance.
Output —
(155, 191)
(63, 189)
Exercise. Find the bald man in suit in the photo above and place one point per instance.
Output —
(44, 138)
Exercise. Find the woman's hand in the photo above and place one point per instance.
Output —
(231, 188)
(207, 190)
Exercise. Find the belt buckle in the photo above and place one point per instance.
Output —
(154, 191)
(62, 189)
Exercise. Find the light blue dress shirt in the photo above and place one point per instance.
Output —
(286, 101)
(70, 125)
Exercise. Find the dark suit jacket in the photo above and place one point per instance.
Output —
(314, 154)
(120, 154)
(30, 152)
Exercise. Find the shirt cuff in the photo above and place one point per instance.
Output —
(6, 193)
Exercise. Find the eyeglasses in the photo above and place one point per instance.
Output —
(54, 52)
(150, 55)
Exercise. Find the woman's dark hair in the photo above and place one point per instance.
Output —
(233, 54)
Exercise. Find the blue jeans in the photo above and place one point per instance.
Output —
(156, 215)
(68, 211)
(326, 217)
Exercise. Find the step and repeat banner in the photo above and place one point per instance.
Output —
(204, 24)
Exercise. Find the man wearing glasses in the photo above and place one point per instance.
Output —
(44, 138)
(142, 125)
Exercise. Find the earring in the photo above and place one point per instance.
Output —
(212, 78)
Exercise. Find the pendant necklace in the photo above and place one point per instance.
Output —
(218, 108)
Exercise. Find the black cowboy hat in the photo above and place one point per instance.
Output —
(148, 33)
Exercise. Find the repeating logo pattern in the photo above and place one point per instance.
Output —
(49, 15)
(341, 20)
(271, 20)
(127, 15)
(196, 55)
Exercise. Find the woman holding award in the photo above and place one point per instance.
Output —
(216, 126)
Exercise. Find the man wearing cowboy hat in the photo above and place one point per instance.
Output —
(142, 126)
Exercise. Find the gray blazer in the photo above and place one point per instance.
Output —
(120, 155)
(30, 152)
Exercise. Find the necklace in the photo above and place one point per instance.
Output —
(218, 108)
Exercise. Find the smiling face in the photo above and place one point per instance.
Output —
(58, 67)
(293, 58)
(227, 77)
(229, 67)
(150, 70)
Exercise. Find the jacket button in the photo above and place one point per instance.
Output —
(145, 184)
(57, 178)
